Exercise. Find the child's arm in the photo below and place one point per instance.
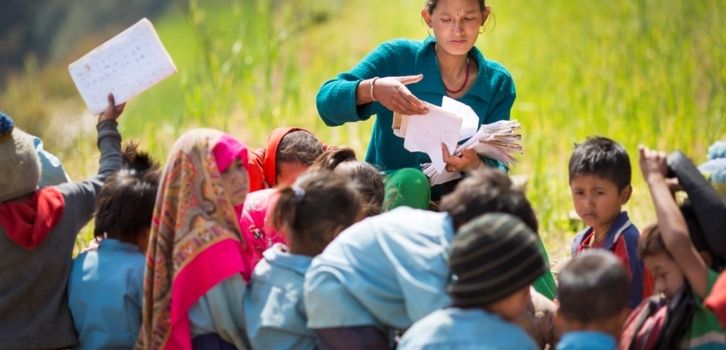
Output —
(671, 222)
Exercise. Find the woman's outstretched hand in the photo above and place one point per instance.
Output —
(393, 94)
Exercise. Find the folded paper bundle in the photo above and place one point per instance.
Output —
(500, 140)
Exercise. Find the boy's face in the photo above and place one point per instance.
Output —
(513, 306)
(667, 275)
(597, 201)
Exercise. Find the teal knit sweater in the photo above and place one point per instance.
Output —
(491, 96)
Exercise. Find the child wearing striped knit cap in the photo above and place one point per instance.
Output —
(494, 260)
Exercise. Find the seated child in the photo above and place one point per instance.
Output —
(593, 296)
(364, 177)
(106, 284)
(390, 270)
(254, 219)
(38, 229)
(193, 285)
(312, 212)
(494, 260)
(599, 173)
(288, 153)
(680, 274)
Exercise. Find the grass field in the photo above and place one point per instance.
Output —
(643, 71)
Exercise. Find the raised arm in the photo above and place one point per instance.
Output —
(671, 222)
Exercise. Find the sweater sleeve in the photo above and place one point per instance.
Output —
(80, 196)
(336, 99)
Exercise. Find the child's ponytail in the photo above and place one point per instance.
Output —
(314, 209)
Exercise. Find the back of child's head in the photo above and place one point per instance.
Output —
(298, 146)
(315, 209)
(365, 178)
(593, 288)
(19, 163)
(484, 191)
(493, 256)
(651, 242)
(368, 181)
(601, 157)
(125, 204)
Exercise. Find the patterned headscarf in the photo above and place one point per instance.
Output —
(195, 240)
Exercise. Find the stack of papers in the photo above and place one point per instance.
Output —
(451, 122)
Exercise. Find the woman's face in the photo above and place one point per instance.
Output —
(455, 24)
(235, 182)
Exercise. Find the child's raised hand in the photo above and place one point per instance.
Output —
(112, 112)
(393, 94)
(652, 163)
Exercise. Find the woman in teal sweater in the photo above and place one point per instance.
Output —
(399, 74)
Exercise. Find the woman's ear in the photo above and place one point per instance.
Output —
(426, 16)
(485, 14)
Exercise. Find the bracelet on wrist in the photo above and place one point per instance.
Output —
(373, 85)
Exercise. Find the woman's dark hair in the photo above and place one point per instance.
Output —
(125, 203)
(431, 5)
(365, 178)
(318, 205)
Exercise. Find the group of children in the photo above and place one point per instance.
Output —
(298, 245)
(184, 260)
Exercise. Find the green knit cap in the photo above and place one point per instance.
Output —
(492, 257)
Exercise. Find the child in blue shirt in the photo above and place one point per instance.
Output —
(593, 296)
(599, 174)
(311, 212)
(494, 260)
(106, 283)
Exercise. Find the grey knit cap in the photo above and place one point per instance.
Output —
(19, 163)
(492, 257)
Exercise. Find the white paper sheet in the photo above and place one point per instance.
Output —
(470, 121)
(125, 66)
(426, 133)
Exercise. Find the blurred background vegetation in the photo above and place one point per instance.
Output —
(638, 71)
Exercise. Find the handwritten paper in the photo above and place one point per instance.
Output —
(125, 66)
(470, 121)
(426, 133)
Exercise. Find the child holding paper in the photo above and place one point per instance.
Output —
(400, 74)
(38, 229)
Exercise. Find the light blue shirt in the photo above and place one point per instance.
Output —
(586, 340)
(220, 311)
(105, 293)
(455, 328)
(388, 270)
(274, 308)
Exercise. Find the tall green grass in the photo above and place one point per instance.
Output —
(645, 71)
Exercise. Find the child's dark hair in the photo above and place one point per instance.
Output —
(299, 146)
(366, 179)
(431, 5)
(319, 204)
(651, 242)
(125, 203)
(592, 287)
(484, 191)
(601, 157)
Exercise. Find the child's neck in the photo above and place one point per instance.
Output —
(600, 232)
